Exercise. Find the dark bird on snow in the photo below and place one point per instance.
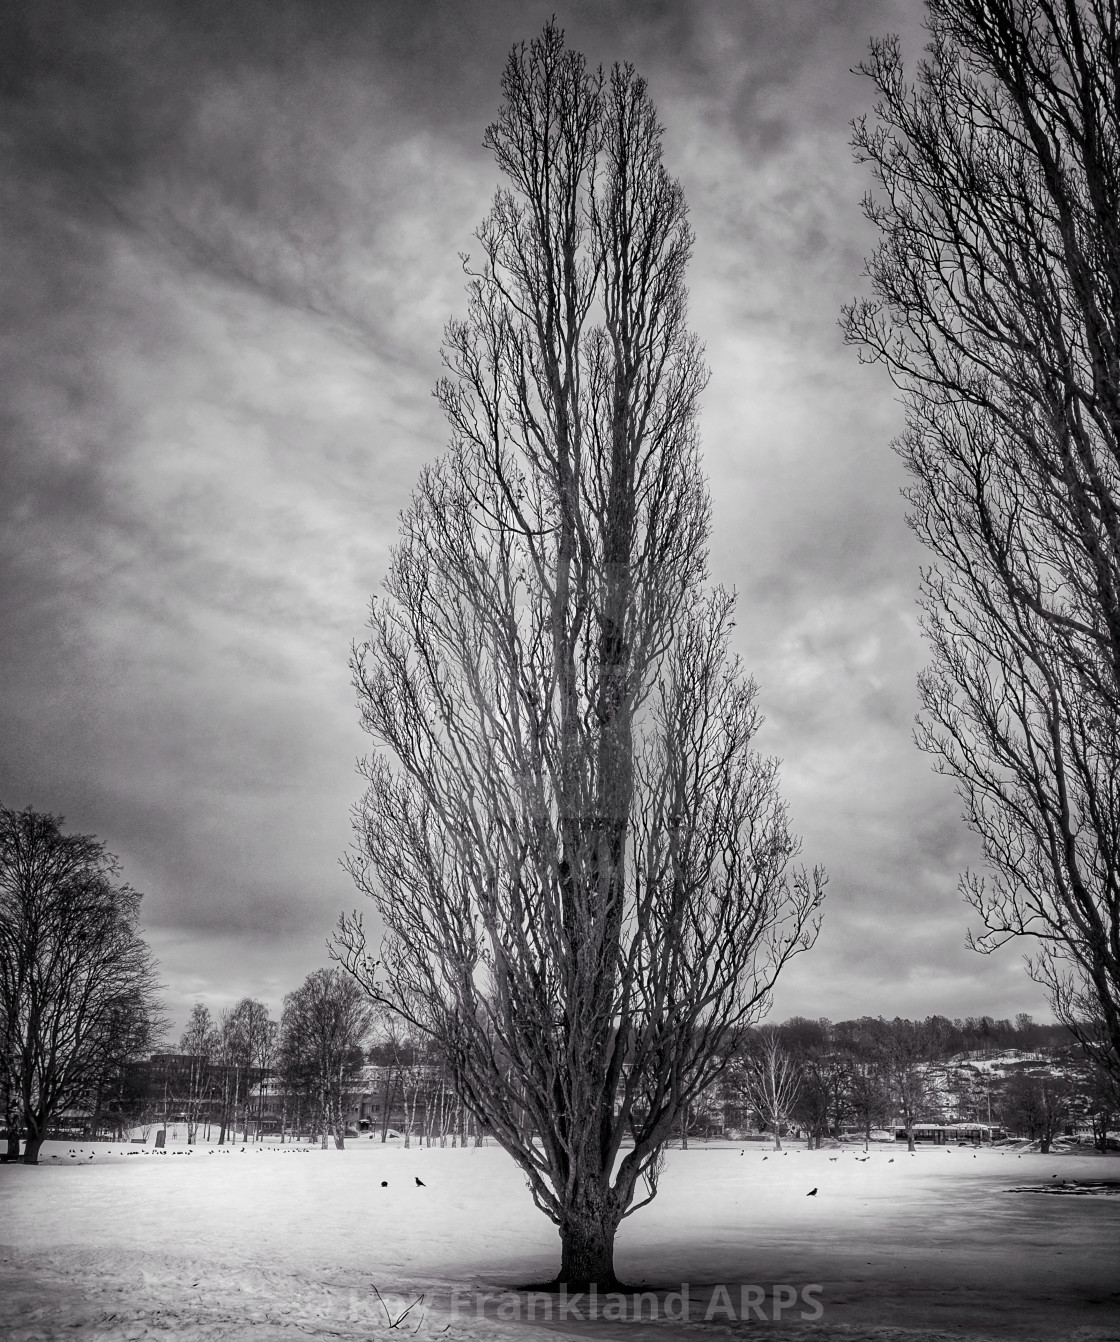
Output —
(384, 1183)
(812, 1193)
(420, 1183)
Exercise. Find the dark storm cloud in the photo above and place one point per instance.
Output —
(230, 233)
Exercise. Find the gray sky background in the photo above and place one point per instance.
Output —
(230, 232)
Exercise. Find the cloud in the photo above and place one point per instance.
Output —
(231, 235)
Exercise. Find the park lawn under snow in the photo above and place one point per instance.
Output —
(290, 1242)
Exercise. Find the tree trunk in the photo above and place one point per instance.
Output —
(386, 1101)
(31, 1150)
(587, 1252)
(13, 1144)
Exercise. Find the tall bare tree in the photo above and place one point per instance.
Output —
(908, 1050)
(997, 310)
(821, 1105)
(323, 1031)
(77, 982)
(200, 1042)
(255, 1033)
(866, 1090)
(233, 1061)
(771, 1079)
(392, 1051)
(1037, 1104)
(582, 866)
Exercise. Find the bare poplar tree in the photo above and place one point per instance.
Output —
(582, 866)
(77, 983)
(997, 310)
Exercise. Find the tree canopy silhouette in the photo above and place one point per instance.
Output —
(997, 309)
(583, 867)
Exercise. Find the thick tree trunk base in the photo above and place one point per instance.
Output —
(31, 1151)
(586, 1260)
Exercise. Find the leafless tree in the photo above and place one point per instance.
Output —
(233, 1060)
(997, 310)
(1037, 1104)
(255, 1033)
(861, 1046)
(393, 1051)
(323, 1030)
(77, 983)
(771, 1080)
(907, 1051)
(200, 1042)
(582, 866)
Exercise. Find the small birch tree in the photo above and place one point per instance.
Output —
(771, 1080)
(200, 1042)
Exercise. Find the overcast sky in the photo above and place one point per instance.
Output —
(230, 244)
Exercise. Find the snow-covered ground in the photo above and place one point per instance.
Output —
(289, 1242)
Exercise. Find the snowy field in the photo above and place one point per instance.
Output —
(288, 1242)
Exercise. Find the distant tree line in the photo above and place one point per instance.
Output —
(81, 1014)
(231, 1066)
(80, 1017)
(824, 1079)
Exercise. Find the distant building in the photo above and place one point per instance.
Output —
(945, 1134)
